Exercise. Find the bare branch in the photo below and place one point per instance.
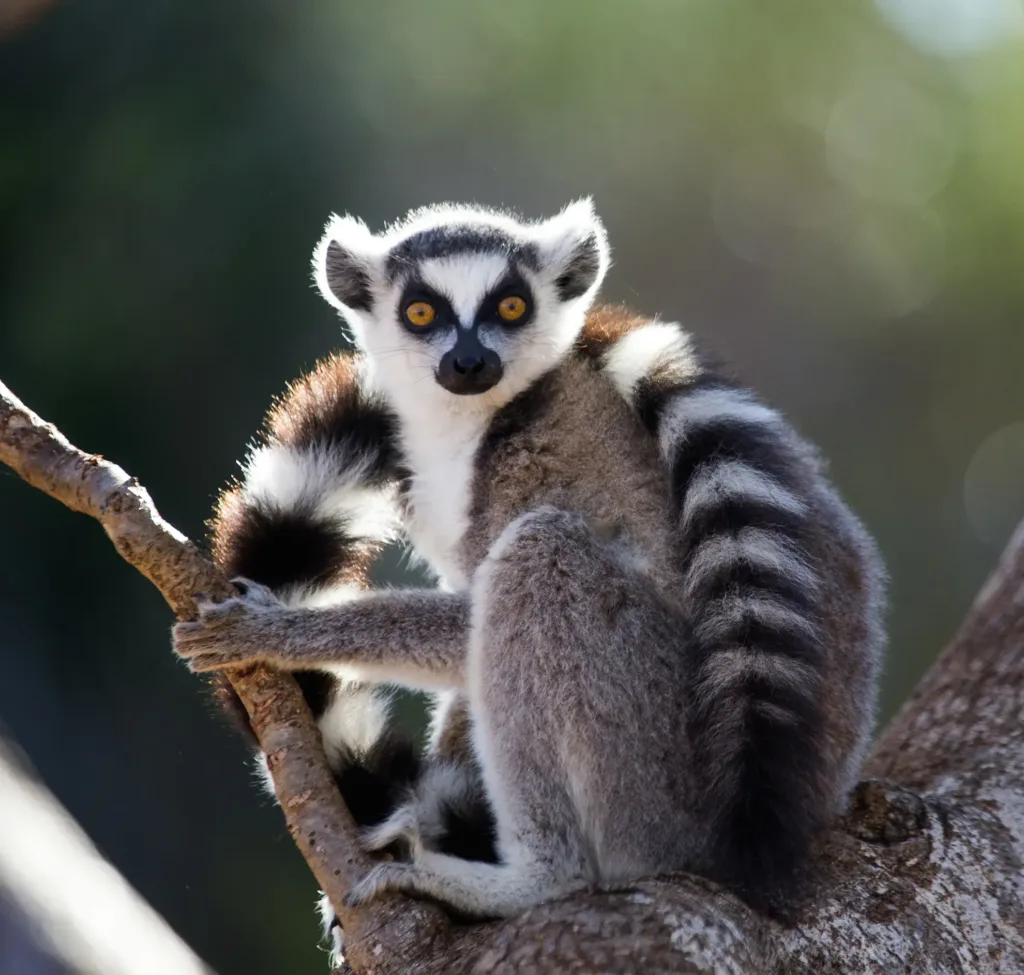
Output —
(317, 818)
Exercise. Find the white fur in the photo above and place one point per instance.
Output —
(262, 771)
(441, 454)
(366, 512)
(405, 674)
(331, 932)
(440, 214)
(286, 478)
(442, 703)
(661, 347)
(354, 720)
(353, 235)
(464, 279)
(282, 477)
(556, 237)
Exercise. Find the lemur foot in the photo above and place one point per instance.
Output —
(401, 827)
(383, 878)
(231, 633)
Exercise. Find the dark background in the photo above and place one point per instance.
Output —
(832, 195)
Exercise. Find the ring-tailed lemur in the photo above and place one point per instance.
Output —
(665, 623)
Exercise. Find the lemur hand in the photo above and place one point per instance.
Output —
(233, 633)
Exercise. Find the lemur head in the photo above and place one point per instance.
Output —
(472, 303)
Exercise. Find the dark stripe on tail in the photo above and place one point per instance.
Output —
(653, 394)
(374, 783)
(329, 408)
(469, 831)
(285, 548)
(725, 438)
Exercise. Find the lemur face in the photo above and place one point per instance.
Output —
(472, 303)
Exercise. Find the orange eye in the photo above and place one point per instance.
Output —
(512, 308)
(420, 313)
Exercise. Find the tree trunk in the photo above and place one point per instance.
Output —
(924, 874)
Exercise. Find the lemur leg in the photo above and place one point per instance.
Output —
(558, 618)
(413, 637)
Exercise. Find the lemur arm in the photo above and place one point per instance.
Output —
(415, 637)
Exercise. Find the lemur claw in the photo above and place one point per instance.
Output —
(255, 592)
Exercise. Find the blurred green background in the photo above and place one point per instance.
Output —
(831, 194)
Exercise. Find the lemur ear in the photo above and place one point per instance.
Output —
(574, 246)
(345, 263)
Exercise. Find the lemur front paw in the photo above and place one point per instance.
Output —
(232, 633)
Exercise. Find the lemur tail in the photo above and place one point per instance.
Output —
(743, 486)
(755, 642)
(314, 507)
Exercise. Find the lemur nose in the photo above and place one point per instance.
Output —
(469, 365)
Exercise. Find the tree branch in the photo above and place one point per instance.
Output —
(317, 818)
(923, 875)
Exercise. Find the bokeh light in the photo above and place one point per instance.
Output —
(994, 485)
(955, 28)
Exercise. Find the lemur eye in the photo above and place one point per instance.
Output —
(420, 313)
(512, 308)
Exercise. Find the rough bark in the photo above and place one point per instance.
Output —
(924, 875)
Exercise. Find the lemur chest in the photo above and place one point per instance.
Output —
(572, 442)
(569, 441)
(438, 501)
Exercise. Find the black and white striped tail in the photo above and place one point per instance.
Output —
(741, 483)
(314, 506)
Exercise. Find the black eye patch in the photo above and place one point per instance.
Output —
(415, 292)
(512, 285)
